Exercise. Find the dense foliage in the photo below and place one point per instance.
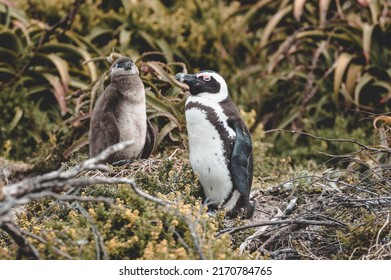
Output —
(306, 65)
(131, 227)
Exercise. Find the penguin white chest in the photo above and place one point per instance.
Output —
(132, 121)
(207, 156)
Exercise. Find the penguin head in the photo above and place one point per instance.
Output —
(123, 66)
(205, 84)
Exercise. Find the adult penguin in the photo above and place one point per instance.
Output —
(220, 144)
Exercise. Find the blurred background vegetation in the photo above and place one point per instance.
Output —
(318, 66)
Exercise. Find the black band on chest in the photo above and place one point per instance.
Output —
(212, 117)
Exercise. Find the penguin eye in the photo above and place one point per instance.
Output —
(204, 77)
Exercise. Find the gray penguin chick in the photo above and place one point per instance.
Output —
(120, 115)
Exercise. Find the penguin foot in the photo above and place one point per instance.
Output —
(212, 214)
(122, 162)
(245, 212)
(232, 214)
(212, 209)
(250, 210)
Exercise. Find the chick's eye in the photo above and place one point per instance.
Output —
(206, 78)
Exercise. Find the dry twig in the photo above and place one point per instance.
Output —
(51, 185)
(89, 172)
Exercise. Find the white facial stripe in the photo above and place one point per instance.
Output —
(204, 76)
(214, 97)
(216, 107)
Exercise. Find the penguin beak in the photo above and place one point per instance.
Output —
(127, 65)
(188, 79)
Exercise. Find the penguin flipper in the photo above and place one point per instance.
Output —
(150, 140)
(242, 160)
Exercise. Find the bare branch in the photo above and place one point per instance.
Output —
(260, 232)
(353, 141)
(61, 180)
(100, 247)
(40, 239)
(197, 244)
(25, 248)
(282, 222)
(51, 184)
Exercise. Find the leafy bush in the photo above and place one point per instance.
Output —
(300, 65)
(40, 67)
(129, 228)
(301, 46)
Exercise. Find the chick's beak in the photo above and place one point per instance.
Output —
(128, 65)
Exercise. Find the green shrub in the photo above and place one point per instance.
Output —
(130, 228)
